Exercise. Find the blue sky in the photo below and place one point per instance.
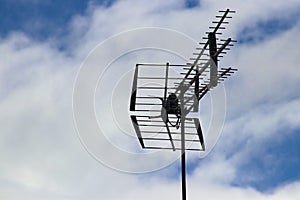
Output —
(273, 163)
(49, 18)
(258, 149)
(42, 19)
(265, 29)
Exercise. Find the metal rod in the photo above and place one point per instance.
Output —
(221, 20)
(196, 103)
(161, 132)
(159, 78)
(149, 104)
(167, 139)
(154, 88)
(159, 65)
(170, 148)
(137, 130)
(133, 90)
(182, 126)
(183, 167)
(166, 81)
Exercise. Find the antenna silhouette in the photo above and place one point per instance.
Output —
(162, 103)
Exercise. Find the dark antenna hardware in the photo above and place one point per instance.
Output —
(162, 103)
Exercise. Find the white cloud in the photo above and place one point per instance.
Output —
(41, 156)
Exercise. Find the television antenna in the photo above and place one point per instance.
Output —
(161, 104)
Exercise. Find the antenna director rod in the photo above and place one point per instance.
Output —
(203, 68)
(205, 89)
(192, 66)
(221, 21)
(208, 62)
(205, 46)
(196, 61)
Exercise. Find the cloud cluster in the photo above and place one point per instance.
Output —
(42, 157)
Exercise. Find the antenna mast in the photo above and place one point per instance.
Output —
(179, 96)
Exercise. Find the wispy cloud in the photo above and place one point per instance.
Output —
(42, 158)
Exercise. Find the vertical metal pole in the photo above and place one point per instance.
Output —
(196, 97)
(213, 59)
(183, 167)
(166, 80)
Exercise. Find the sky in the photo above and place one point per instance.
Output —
(65, 77)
